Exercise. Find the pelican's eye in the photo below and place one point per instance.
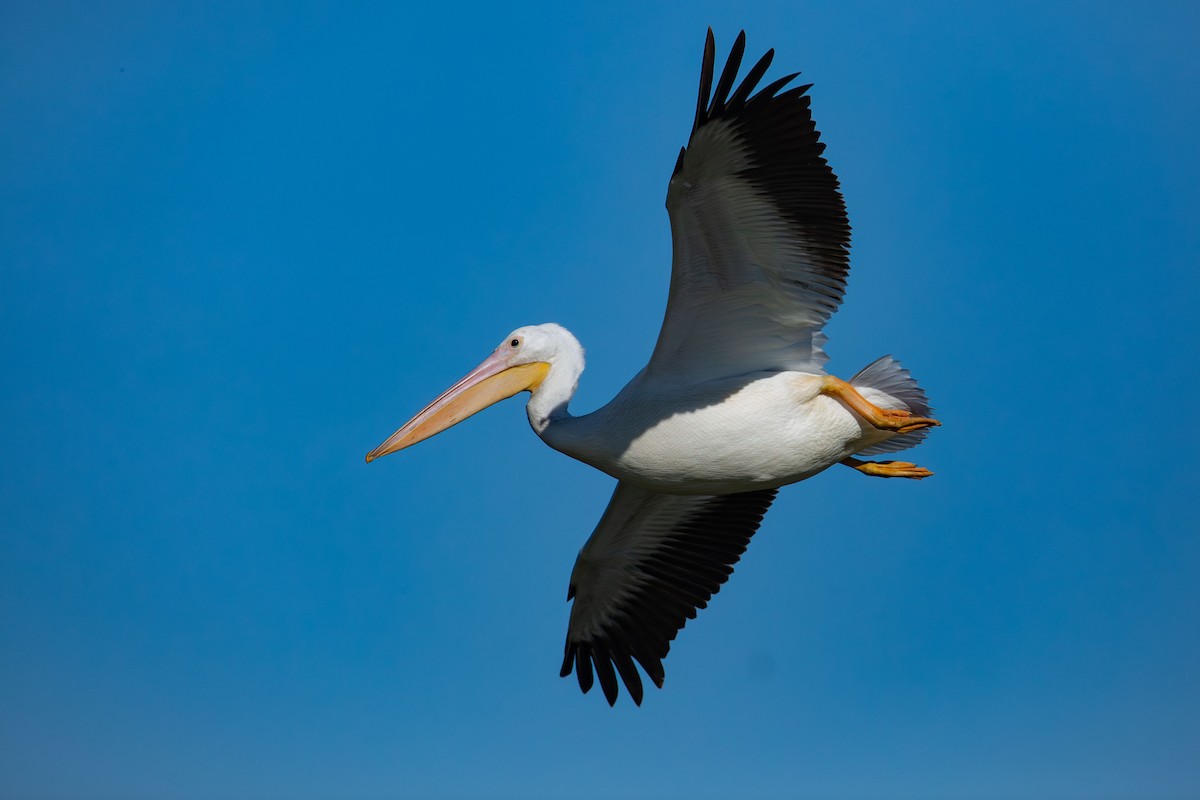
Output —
(515, 343)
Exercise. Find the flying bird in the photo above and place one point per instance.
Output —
(735, 401)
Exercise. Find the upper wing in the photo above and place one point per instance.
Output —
(653, 560)
(759, 228)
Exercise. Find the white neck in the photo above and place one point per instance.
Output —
(548, 403)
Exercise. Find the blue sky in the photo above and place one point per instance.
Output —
(240, 243)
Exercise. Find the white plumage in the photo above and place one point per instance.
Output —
(735, 401)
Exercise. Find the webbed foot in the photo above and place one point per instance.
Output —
(885, 419)
(888, 469)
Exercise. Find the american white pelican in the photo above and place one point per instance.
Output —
(735, 401)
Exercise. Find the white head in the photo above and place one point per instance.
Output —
(548, 342)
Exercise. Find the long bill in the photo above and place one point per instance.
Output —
(489, 383)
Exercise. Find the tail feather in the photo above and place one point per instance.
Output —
(888, 376)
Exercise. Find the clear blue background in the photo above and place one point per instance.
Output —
(242, 242)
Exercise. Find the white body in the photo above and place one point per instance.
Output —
(721, 437)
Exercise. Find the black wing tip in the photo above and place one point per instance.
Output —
(776, 132)
(714, 104)
(596, 662)
(568, 661)
(606, 675)
(583, 668)
(706, 74)
(733, 63)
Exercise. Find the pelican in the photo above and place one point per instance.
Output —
(735, 401)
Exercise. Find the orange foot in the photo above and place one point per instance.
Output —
(885, 419)
(888, 469)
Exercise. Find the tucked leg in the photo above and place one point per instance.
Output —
(888, 469)
(886, 419)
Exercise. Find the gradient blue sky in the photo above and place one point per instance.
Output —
(240, 243)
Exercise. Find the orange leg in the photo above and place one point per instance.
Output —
(888, 469)
(885, 419)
